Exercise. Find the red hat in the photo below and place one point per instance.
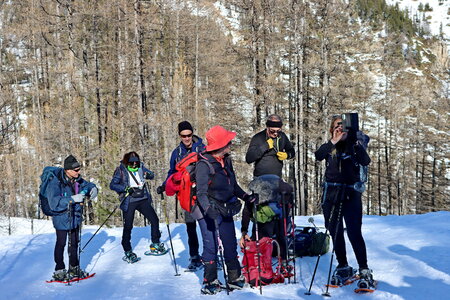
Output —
(218, 137)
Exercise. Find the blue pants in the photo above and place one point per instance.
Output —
(227, 236)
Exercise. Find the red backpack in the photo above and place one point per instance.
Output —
(183, 181)
(250, 263)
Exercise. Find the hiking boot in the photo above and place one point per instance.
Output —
(130, 257)
(237, 284)
(157, 249)
(195, 264)
(341, 275)
(211, 288)
(77, 272)
(60, 275)
(366, 279)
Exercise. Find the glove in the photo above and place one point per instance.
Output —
(270, 143)
(129, 190)
(160, 189)
(149, 175)
(212, 213)
(93, 193)
(253, 198)
(282, 155)
(78, 198)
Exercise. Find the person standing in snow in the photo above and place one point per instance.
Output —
(267, 150)
(66, 193)
(189, 143)
(217, 194)
(129, 182)
(344, 153)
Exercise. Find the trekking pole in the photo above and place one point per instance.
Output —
(258, 253)
(79, 242)
(326, 293)
(220, 247)
(70, 238)
(285, 234)
(104, 222)
(170, 235)
(293, 240)
(323, 243)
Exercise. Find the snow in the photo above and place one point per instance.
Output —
(408, 255)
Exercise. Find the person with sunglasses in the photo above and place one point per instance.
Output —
(129, 182)
(188, 143)
(65, 193)
(341, 199)
(269, 148)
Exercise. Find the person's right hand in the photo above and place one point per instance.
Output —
(129, 190)
(160, 189)
(244, 238)
(270, 143)
(78, 198)
(338, 134)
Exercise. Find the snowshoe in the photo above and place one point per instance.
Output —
(237, 284)
(343, 276)
(59, 275)
(131, 257)
(212, 288)
(67, 280)
(157, 249)
(76, 273)
(195, 264)
(366, 284)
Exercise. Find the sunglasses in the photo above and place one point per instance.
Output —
(77, 170)
(274, 131)
(186, 135)
(338, 124)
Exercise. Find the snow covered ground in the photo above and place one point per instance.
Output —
(408, 254)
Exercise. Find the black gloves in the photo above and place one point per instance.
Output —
(212, 213)
(253, 198)
(129, 191)
(160, 189)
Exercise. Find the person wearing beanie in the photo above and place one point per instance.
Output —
(188, 143)
(269, 148)
(217, 194)
(129, 183)
(65, 192)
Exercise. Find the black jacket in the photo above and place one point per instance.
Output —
(222, 186)
(342, 161)
(265, 159)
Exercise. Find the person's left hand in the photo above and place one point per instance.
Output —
(282, 155)
(149, 175)
(252, 198)
(93, 193)
(244, 238)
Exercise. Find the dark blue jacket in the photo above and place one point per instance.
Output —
(181, 151)
(222, 186)
(121, 180)
(59, 193)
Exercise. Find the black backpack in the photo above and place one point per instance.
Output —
(310, 242)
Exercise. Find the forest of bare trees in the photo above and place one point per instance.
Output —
(99, 78)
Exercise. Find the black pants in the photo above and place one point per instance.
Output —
(344, 203)
(191, 229)
(61, 238)
(145, 208)
(274, 230)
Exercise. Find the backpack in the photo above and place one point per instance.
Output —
(250, 263)
(310, 242)
(184, 180)
(47, 175)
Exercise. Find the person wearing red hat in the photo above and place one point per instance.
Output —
(217, 194)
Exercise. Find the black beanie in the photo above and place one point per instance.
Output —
(71, 163)
(185, 125)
